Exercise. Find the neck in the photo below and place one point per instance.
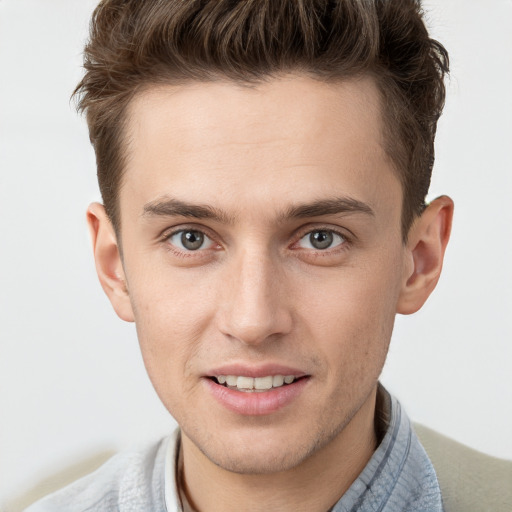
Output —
(315, 485)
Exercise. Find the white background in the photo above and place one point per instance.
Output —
(72, 383)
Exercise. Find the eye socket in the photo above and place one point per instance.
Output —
(321, 239)
(190, 240)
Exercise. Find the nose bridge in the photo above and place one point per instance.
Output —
(254, 308)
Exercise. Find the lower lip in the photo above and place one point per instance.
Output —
(256, 403)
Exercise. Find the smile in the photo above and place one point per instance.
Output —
(256, 396)
(254, 384)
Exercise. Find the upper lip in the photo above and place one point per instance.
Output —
(256, 371)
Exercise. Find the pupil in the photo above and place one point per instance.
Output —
(192, 240)
(321, 239)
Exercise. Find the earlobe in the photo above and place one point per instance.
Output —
(426, 246)
(108, 261)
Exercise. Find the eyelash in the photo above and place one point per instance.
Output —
(347, 241)
(329, 256)
(167, 235)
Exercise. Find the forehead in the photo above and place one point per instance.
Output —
(288, 139)
(292, 108)
(288, 99)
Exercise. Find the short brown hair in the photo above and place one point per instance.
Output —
(134, 44)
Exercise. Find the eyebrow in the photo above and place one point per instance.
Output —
(333, 206)
(169, 207)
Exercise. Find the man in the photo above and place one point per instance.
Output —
(264, 167)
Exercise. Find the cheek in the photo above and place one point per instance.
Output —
(170, 302)
(351, 315)
(171, 312)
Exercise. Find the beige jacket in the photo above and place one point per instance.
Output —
(470, 481)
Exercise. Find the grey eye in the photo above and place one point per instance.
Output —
(190, 240)
(321, 239)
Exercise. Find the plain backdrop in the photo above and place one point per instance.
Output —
(72, 382)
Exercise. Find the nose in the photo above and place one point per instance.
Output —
(253, 307)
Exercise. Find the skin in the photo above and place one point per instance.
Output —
(257, 291)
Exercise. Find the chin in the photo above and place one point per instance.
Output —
(257, 460)
(263, 450)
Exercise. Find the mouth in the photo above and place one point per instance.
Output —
(247, 384)
(256, 391)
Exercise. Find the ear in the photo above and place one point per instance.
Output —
(109, 265)
(426, 245)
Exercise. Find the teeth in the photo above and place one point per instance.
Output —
(277, 381)
(263, 382)
(255, 384)
(231, 380)
(245, 383)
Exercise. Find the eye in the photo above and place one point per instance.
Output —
(190, 240)
(321, 239)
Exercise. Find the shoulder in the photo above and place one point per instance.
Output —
(128, 482)
(470, 481)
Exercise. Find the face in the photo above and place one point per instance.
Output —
(261, 241)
